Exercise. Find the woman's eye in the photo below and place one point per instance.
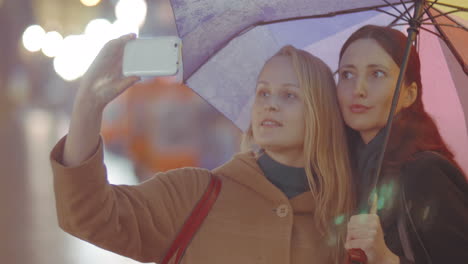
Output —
(347, 75)
(378, 74)
(291, 95)
(263, 93)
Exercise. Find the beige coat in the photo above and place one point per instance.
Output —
(251, 222)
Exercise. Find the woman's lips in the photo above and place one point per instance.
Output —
(270, 123)
(359, 109)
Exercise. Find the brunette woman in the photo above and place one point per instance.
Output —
(422, 193)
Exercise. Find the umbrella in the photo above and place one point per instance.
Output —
(227, 42)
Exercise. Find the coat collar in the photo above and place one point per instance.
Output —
(243, 169)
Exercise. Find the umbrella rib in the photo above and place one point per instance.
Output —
(406, 9)
(442, 14)
(450, 44)
(426, 9)
(445, 25)
(331, 14)
(393, 6)
(448, 17)
(390, 14)
(432, 4)
(400, 17)
(425, 29)
(452, 6)
(396, 20)
(432, 32)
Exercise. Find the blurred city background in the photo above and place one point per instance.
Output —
(45, 47)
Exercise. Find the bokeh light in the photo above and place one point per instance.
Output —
(100, 31)
(52, 44)
(77, 52)
(339, 220)
(90, 2)
(131, 11)
(97, 27)
(76, 55)
(121, 28)
(33, 38)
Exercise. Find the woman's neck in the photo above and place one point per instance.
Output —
(368, 136)
(288, 158)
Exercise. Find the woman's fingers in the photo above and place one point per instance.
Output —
(363, 226)
(364, 220)
(363, 233)
(364, 244)
(109, 59)
(118, 44)
(104, 79)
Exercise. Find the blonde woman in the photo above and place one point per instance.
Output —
(282, 203)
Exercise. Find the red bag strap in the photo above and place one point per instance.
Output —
(194, 221)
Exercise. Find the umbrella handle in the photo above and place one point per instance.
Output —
(356, 256)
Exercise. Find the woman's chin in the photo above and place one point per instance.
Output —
(269, 145)
(274, 147)
(266, 145)
(358, 126)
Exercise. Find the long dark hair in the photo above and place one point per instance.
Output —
(413, 130)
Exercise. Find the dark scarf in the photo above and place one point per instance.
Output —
(366, 163)
(290, 180)
(366, 156)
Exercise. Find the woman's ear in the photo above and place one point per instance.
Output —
(411, 93)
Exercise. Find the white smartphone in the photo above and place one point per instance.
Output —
(147, 57)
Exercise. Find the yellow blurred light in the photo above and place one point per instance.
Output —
(90, 2)
(131, 11)
(52, 44)
(33, 38)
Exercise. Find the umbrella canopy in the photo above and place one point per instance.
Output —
(227, 42)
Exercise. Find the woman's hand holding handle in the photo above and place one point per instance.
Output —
(365, 239)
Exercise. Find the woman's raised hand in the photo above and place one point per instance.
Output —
(104, 80)
(102, 83)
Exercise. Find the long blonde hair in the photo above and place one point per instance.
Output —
(325, 147)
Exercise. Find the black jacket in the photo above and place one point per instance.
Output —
(436, 194)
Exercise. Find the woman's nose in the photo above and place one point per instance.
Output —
(272, 104)
(360, 90)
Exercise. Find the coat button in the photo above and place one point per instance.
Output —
(282, 210)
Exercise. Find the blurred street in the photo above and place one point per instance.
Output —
(28, 220)
(29, 226)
